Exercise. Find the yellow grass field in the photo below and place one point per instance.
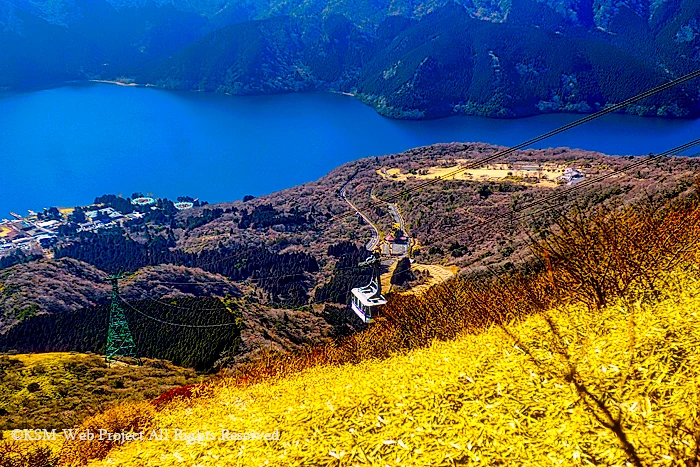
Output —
(478, 400)
(491, 172)
(48, 358)
(51, 442)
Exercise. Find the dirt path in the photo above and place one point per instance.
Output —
(546, 174)
(386, 277)
(438, 275)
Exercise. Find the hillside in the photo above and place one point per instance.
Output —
(284, 263)
(583, 354)
(54, 390)
(413, 59)
(478, 400)
(62, 305)
(437, 210)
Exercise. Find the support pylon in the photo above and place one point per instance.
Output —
(120, 342)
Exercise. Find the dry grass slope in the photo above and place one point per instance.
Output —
(478, 400)
(59, 390)
(586, 356)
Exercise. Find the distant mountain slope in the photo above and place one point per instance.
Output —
(36, 53)
(447, 63)
(252, 57)
(450, 62)
(408, 59)
(47, 43)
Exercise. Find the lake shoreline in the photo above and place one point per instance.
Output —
(355, 96)
(405, 117)
(63, 146)
(121, 83)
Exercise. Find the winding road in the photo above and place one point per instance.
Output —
(375, 233)
(438, 274)
(397, 217)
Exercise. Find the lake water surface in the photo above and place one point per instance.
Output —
(67, 145)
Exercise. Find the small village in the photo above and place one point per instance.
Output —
(36, 233)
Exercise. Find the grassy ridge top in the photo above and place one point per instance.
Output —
(59, 389)
(480, 400)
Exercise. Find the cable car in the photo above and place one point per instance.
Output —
(367, 300)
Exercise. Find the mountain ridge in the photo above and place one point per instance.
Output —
(412, 60)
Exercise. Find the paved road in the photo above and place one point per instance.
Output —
(394, 211)
(397, 217)
(375, 233)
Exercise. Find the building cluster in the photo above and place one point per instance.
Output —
(106, 218)
(28, 234)
(34, 235)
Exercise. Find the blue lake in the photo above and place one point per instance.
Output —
(64, 146)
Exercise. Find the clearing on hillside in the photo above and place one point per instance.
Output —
(546, 174)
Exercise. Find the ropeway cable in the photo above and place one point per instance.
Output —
(537, 139)
(158, 301)
(563, 193)
(168, 323)
(552, 197)
(510, 150)
(578, 186)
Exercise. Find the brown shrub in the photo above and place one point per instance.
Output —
(19, 454)
(180, 393)
(618, 253)
(127, 418)
(586, 258)
(409, 322)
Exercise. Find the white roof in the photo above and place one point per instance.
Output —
(50, 223)
(366, 300)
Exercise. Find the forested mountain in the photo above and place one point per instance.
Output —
(408, 59)
(63, 305)
(284, 263)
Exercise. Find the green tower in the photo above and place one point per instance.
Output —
(120, 343)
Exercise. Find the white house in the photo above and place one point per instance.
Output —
(572, 176)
